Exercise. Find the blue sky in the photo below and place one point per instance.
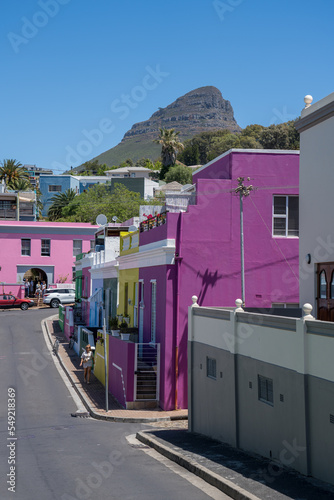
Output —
(67, 65)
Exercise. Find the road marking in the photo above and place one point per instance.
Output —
(199, 483)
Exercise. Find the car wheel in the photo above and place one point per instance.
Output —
(54, 303)
(24, 306)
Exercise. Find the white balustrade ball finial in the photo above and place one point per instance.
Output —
(308, 101)
(307, 308)
(238, 303)
(194, 298)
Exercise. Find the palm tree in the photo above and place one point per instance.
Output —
(170, 146)
(21, 184)
(12, 171)
(59, 201)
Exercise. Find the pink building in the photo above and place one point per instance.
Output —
(46, 250)
(198, 253)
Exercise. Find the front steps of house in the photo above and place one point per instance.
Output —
(38, 301)
(146, 388)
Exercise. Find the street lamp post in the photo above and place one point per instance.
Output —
(242, 190)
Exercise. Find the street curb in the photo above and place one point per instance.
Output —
(93, 414)
(207, 475)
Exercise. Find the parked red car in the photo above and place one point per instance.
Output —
(7, 300)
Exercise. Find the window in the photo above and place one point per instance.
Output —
(211, 368)
(285, 305)
(46, 248)
(73, 273)
(6, 204)
(92, 245)
(54, 187)
(153, 310)
(126, 298)
(77, 247)
(323, 285)
(135, 306)
(26, 246)
(286, 216)
(265, 387)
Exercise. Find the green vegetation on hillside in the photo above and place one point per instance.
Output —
(206, 146)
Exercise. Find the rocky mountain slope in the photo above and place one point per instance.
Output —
(200, 110)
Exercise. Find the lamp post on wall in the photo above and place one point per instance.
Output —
(242, 190)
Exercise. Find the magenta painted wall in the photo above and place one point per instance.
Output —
(208, 242)
(61, 236)
(121, 354)
(165, 277)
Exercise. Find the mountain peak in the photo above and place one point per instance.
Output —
(200, 110)
(197, 111)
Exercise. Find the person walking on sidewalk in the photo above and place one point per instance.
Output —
(87, 362)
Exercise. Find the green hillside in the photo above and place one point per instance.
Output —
(133, 148)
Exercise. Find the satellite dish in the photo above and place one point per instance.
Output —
(101, 220)
(132, 229)
(114, 219)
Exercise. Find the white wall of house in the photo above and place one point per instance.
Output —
(316, 226)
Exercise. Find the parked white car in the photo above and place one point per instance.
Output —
(55, 296)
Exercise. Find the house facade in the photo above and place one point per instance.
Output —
(316, 127)
(45, 250)
(198, 251)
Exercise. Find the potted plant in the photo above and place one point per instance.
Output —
(125, 335)
(126, 318)
(113, 324)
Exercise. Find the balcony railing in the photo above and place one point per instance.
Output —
(152, 222)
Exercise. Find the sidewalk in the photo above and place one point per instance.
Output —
(239, 475)
(93, 395)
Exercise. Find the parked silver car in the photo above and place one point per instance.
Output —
(55, 296)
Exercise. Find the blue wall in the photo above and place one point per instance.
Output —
(65, 181)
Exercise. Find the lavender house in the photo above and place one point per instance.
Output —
(198, 252)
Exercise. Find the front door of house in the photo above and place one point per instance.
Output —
(325, 291)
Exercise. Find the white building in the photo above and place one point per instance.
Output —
(316, 207)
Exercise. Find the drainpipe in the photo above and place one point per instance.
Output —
(178, 259)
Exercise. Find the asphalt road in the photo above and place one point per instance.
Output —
(57, 456)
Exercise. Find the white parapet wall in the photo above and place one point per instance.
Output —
(261, 382)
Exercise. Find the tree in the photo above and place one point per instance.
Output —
(59, 201)
(121, 203)
(179, 173)
(12, 171)
(21, 184)
(282, 136)
(170, 146)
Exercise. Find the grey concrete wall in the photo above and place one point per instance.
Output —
(266, 429)
(217, 421)
(321, 430)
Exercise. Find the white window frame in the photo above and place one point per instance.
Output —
(23, 250)
(283, 216)
(135, 305)
(45, 246)
(153, 310)
(54, 188)
(75, 253)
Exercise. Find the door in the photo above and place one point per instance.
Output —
(325, 291)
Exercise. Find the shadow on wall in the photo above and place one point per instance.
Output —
(208, 279)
